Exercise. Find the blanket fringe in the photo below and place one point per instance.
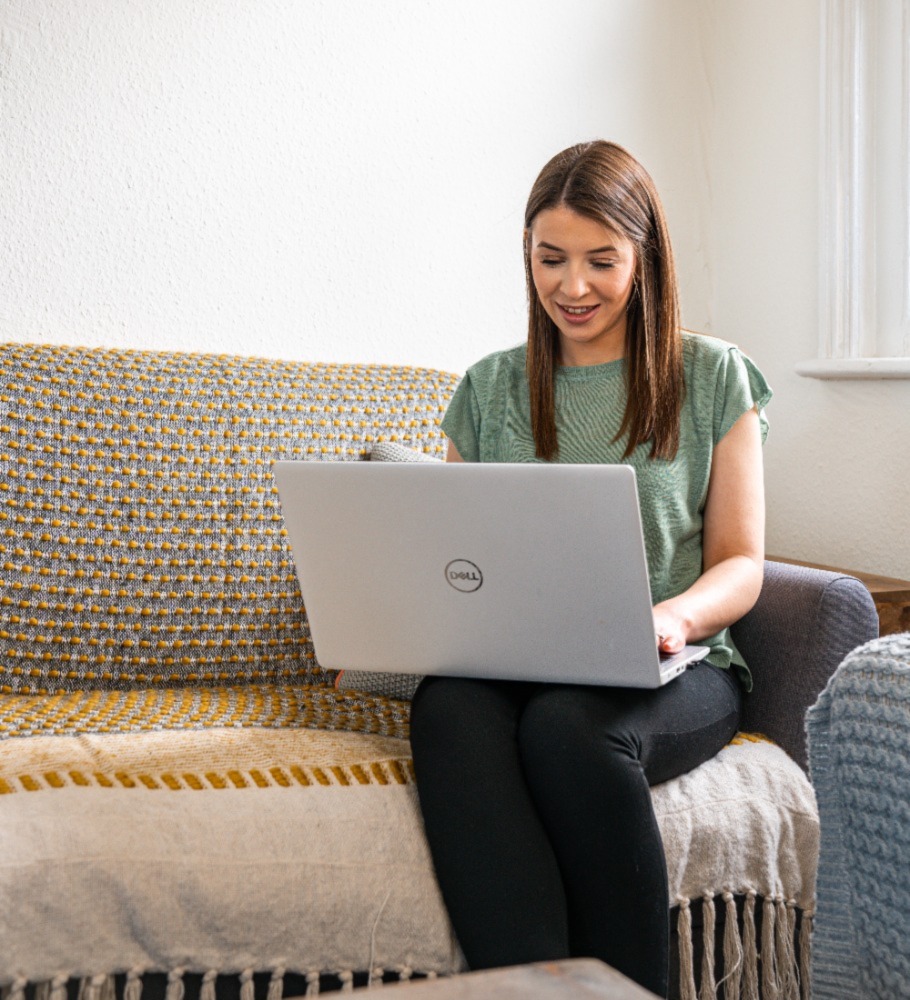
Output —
(15, 990)
(686, 956)
(207, 989)
(132, 988)
(733, 951)
(175, 989)
(805, 938)
(103, 986)
(708, 990)
(770, 983)
(99, 987)
(276, 985)
(750, 948)
(778, 971)
(787, 930)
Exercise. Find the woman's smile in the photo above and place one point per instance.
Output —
(577, 315)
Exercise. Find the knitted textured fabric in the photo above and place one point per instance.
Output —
(141, 539)
(859, 758)
(264, 706)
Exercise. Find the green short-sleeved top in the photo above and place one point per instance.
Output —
(489, 420)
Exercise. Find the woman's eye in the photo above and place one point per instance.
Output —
(550, 261)
(603, 265)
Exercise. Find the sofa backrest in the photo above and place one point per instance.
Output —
(141, 538)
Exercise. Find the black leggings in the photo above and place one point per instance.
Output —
(536, 803)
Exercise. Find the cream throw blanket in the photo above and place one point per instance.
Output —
(241, 850)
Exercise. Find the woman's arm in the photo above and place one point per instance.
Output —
(452, 454)
(734, 544)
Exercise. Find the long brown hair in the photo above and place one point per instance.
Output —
(603, 182)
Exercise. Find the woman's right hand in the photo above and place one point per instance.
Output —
(670, 628)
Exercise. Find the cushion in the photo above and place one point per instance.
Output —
(215, 850)
(389, 685)
(245, 849)
(389, 451)
(141, 538)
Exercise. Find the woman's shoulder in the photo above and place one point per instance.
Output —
(498, 367)
(709, 361)
(704, 350)
(722, 381)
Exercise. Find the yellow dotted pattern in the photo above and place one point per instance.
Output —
(153, 709)
(141, 536)
(377, 772)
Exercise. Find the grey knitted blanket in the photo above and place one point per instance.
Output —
(859, 758)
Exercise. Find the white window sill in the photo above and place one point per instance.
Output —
(855, 368)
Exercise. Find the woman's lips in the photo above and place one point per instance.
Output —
(577, 318)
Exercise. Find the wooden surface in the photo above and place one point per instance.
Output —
(891, 596)
(573, 979)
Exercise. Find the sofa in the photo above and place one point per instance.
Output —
(189, 806)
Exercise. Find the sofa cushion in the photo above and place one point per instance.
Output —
(218, 849)
(389, 451)
(141, 539)
(245, 849)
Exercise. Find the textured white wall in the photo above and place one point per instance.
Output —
(345, 181)
(323, 180)
(838, 456)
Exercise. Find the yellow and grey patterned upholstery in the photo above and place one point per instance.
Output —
(141, 539)
(158, 682)
(261, 706)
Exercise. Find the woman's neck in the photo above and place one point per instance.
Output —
(575, 355)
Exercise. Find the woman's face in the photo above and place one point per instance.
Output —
(583, 273)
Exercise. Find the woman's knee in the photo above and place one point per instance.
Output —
(460, 710)
(436, 703)
(571, 724)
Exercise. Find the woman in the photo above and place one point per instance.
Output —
(536, 797)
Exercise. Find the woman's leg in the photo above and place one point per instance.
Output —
(494, 862)
(589, 756)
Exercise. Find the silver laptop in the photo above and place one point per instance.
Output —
(513, 571)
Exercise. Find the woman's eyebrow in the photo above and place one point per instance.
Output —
(549, 246)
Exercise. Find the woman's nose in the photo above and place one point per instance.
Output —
(574, 283)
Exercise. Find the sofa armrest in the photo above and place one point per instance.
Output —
(804, 623)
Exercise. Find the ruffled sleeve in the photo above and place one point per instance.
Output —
(740, 387)
(461, 423)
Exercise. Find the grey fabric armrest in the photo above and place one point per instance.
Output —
(804, 623)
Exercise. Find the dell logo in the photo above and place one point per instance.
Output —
(463, 575)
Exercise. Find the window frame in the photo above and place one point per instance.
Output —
(851, 105)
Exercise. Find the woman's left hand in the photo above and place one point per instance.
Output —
(671, 629)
